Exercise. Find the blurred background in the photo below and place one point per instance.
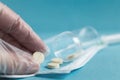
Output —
(55, 16)
(50, 17)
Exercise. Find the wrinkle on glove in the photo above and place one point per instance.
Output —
(14, 61)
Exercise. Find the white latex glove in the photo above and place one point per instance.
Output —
(17, 32)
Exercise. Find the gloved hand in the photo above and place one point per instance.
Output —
(14, 31)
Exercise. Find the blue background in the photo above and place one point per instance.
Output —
(50, 17)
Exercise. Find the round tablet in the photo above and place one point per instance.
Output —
(38, 57)
(53, 65)
(57, 60)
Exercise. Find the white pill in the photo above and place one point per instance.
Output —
(73, 56)
(57, 60)
(52, 65)
(38, 57)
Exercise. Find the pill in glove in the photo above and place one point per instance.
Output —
(38, 57)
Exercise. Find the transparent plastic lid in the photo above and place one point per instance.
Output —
(68, 43)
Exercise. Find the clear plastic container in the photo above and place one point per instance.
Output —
(72, 42)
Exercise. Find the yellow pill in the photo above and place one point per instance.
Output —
(52, 65)
(72, 56)
(38, 57)
(57, 60)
